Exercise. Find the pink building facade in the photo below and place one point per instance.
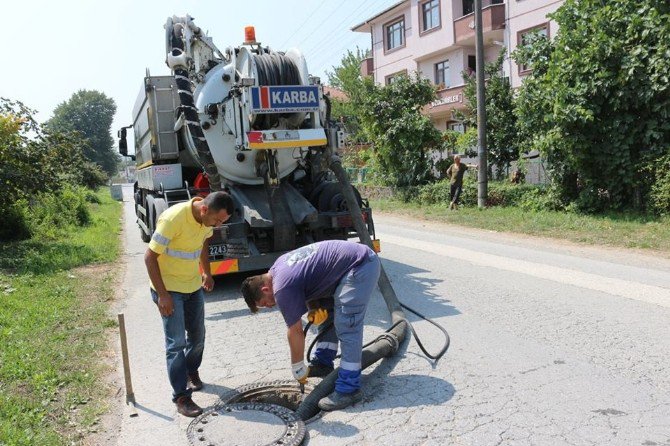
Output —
(436, 38)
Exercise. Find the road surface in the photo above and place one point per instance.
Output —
(551, 344)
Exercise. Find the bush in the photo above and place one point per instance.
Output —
(659, 196)
(49, 215)
(91, 197)
(14, 225)
(526, 196)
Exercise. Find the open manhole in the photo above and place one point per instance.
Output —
(282, 393)
(244, 424)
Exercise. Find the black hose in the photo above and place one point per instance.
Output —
(175, 46)
(383, 346)
(274, 69)
(436, 357)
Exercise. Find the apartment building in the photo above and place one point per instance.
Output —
(436, 38)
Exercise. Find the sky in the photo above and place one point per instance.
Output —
(56, 48)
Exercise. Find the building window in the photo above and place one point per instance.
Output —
(391, 78)
(456, 126)
(395, 34)
(523, 38)
(468, 7)
(442, 73)
(472, 65)
(430, 15)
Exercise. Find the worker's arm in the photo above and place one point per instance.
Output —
(207, 280)
(165, 304)
(296, 341)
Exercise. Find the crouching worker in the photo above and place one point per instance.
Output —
(345, 270)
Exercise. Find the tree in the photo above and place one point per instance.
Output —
(35, 161)
(347, 77)
(598, 101)
(401, 134)
(501, 130)
(90, 113)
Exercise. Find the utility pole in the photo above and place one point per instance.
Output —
(482, 179)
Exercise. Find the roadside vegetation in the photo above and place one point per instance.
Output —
(59, 233)
(593, 109)
(524, 215)
(53, 326)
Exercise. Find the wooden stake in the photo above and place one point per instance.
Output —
(130, 396)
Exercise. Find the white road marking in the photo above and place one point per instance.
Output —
(616, 287)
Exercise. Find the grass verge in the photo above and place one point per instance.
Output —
(616, 230)
(53, 318)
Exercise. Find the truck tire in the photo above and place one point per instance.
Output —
(144, 236)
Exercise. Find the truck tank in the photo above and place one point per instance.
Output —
(249, 120)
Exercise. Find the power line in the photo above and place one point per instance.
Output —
(298, 28)
(329, 54)
(316, 45)
(319, 25)
(328, 59)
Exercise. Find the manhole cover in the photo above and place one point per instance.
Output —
(243, 424)
(283, 393)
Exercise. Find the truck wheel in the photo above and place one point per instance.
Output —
(145, 238)
(331, 199)
(138, 199)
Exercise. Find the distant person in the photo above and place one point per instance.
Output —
(455, 174)
(348, 272)
(517, 177)
(178, 247)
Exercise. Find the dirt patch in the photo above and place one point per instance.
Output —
(106, 431)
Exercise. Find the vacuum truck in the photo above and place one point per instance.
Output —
(248, 120)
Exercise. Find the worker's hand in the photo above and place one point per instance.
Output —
(165, 305)
(300, 370)
(318, 316)
(207, 282)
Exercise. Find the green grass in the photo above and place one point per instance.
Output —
(617, 230)
(53, 322)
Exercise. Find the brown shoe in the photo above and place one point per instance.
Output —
(194, 381)
(187, 407)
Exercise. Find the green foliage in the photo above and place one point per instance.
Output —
(401, 134)
(38, 168)
(90, 113)
(501, 130)
(500, 193)
(466, 142)
(598, 100)
(659, 197)
(52, 329)
(347, 77)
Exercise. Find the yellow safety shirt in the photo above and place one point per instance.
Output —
(178, 240)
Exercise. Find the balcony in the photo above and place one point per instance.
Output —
(493, 24)
(367, 67)
(448, 99)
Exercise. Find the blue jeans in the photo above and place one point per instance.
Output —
(351, 301)
(184, 338)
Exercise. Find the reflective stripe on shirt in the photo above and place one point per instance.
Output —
(183, 254)
(160, 239)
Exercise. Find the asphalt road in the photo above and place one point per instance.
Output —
(551, 344)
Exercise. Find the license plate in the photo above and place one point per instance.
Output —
(217, 250)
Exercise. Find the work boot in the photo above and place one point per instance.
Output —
(194, 381)
(187, 407)
(318, 370)
(337, 400)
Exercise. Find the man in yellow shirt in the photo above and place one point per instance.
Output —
(178, 246)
